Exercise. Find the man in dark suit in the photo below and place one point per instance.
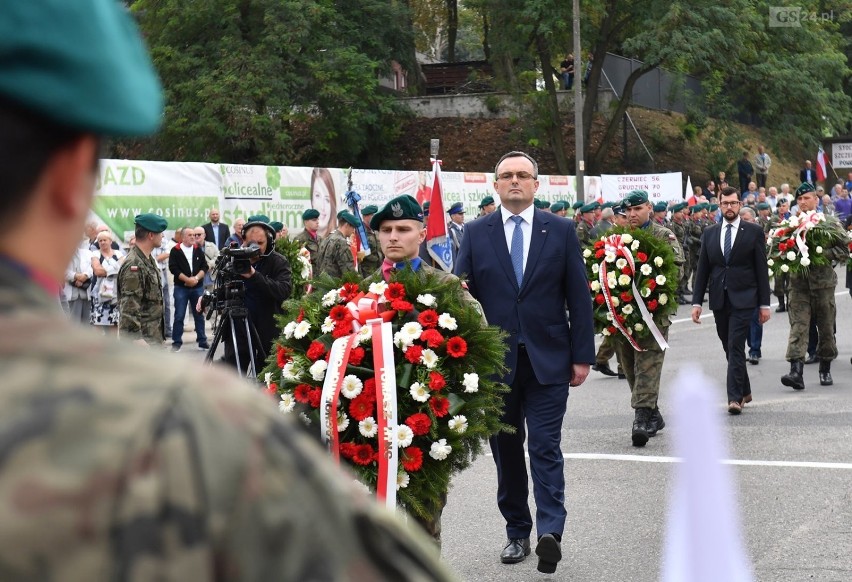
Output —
(215, 231)
(525, 267)
(188, 264)
(808, 174)
(733, 262)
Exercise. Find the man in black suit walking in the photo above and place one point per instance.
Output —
(215, 231)
(733, 262)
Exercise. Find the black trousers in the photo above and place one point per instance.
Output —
(732, 327)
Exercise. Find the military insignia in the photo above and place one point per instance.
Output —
(396, 210)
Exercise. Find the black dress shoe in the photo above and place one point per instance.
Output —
(754, 360)
(515, 551)
(549, 553)
(604, 369)
(622, 376)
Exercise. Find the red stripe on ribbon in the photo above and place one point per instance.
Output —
(332, 418)
(378, 370)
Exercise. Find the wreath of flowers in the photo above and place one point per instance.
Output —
(633, 280)
(299, 258)
(801, 241)
(445, 362)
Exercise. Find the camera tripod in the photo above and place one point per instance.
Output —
(237, 317)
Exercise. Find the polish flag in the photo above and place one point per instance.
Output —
(821, 165)
(437, 239)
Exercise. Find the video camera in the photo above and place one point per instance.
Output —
(229, 290)
(236, 260)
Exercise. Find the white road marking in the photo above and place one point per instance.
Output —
(740, 462)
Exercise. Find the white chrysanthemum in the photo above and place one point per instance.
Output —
(287, 403)
(368, 427)
(611, 275)
(412, 329)
(402, 340)
(770, 262)
(791, 256)
(426, 299)
(605, 332)
(342, 421)
(595, 268)
(327, 325)
(351, 387)
(638, 327)
(429, 358)
(305, 272)
(330, 298)
(819, 250)
(645, 269)
(611, 283)
(627, 238)
(609, 257)
(289, 329)
(627, 309)
(304, 418)
(635, 246)
(447, 321)
(661, 279)
(663, 299)
(784, 268)
(318, 369)
(290, 371)
(623, 280)
(471, 382)
(302, 329)
(402, 480)
(458, 423)
(608, 316)
(620, 263)
(404, 435)
(419, 392)
(364, 334)
(806, 261)
(440, 450)
(658, 261)
(793, 221)
(595, 286)
(587, 253)
(378, 287)
(614, 300)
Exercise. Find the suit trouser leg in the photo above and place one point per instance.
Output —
(732, 327)
(541, 408)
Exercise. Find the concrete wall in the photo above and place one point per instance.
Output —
(486, 105)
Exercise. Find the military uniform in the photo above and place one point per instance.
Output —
(140, 299)
(584, 231)
(312, 244)
(781, 283)
(374, 260)
(681, 230)
(335, 255)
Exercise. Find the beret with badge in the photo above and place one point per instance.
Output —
(487, 201)
(400, 208)
(151, 222)
(635, 198)
(804, 188)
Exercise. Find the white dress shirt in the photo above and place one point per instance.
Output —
(734, 230)
(526, 228)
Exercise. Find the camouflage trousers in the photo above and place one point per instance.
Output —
(691, 265)
(686, 277)
(606, 352)
(782, 285)
(803, 305)
(643, 369)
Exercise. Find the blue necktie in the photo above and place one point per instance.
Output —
(728, 242)
(517, 250)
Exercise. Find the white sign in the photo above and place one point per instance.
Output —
(660, 187)
(841, 155)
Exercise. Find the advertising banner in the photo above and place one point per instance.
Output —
(660, 187)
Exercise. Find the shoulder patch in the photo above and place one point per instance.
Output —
(672, 236)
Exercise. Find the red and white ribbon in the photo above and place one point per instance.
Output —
(807, 221)
(364, 307)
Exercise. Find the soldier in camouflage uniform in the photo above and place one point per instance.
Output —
(764, 214)
(369, 263)
(335, 255)
(140, 289)
(812, 296)
(681, 227)
(120, 464)
(584, 221)
(309, 237)
(643, 369)
(661, 209)
(607, 349)
(782, 281)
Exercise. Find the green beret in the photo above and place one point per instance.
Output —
(369, 210)
(635, 198)
(542, 204)
(151, 222)
(678, 207)
(577, 205)
(607, 205)
(258, 218)
(804, 188)
(400, 208)
(764, 206)
(348, 217)
(310, 214)
(487, 201)
(557, 207)
(81, 64)
(661, 207)
(277, 226)
(590, 207)
(714, 207)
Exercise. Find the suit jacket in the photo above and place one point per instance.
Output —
(224, 233)
(554, 279)
(746, 276)
(804, 177)
(178, 264)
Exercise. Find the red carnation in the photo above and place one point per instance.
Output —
(356, 356)
(432, 337)
(301, 315)
(621, 319)
(626, 270)
(341, 329)
(436, 381)
(599, 299)
(611, 329)
(350, 290)
(428, 318)
(412, 459)
(456, 347)
(413, 353)
(395, 291)
(419, 423)
(626, 297)
(284, 356)
(314, 397)
(599, 253)
(347, 450)
(369, 389)
(272, 389)
(302, 393)
(652, 305)
(642, 257)
(401, 305)
(339, 313)
(361, 407)
(439, 405)
(364, 455)
(599, 244)
(315, 351)
(652, 284)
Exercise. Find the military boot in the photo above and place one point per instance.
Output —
(782, 307)
(642, 427)
(657, 423)
(794, 378)
(825, 373)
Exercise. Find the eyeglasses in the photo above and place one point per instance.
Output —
(506, 176)
(730, 204)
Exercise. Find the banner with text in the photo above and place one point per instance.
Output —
(841, 155)
(660, 187)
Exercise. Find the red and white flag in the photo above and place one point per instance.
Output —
(437, 239)
(822, 164)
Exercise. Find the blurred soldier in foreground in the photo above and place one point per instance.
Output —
(152, 469)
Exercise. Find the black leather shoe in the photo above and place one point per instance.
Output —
(549, 553)
(515, 551)
(604, 369)
(753, 360)
(825, 378)
(811, 359)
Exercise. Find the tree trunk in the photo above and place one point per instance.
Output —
(486, 29)
(452, 29)
(415, 79)
(554, 121)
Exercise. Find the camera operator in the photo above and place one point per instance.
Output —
(267, 284)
